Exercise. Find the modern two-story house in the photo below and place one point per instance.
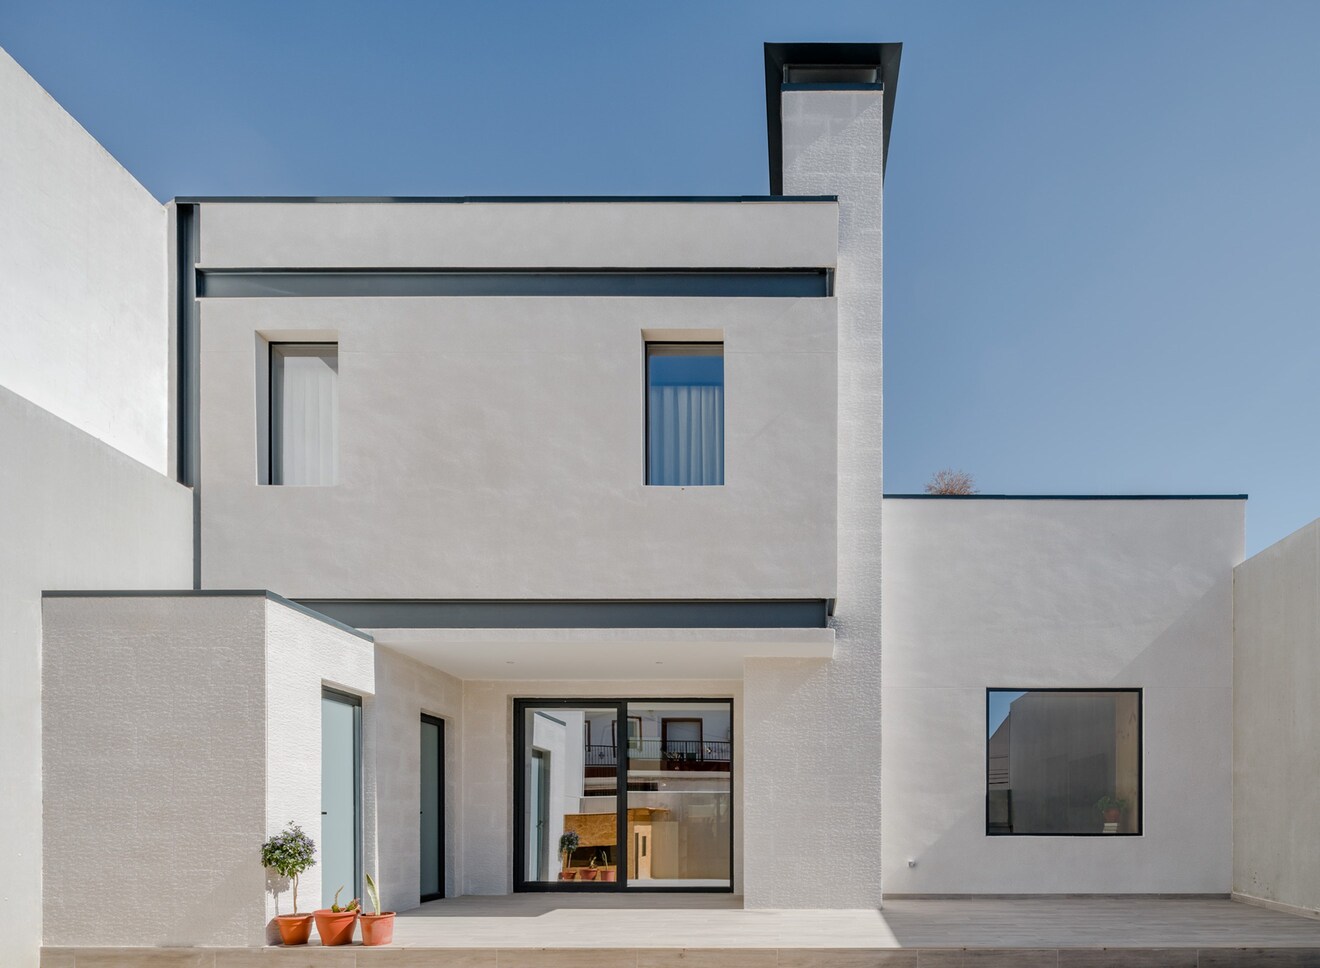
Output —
(446, 527)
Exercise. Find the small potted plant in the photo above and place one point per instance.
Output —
(606, 872)
(568, 843)
(289, 854)
(378, 928)
(335, 924)
(1111, 808)
(590, 874)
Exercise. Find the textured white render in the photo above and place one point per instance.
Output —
(494, 448)
(519, 235)
(179, 732)
(74, 513)
(155, 770)
(1276, 712)
(813, 760)
(405, 689)
(585, 654)
(303, 654)
(1024, 594)
(83, 318)
(488, 765)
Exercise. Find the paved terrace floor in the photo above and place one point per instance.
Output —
(714, 931)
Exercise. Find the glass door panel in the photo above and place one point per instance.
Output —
(680, 802)
(569, 784)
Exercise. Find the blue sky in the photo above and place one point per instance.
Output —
(1102, 220)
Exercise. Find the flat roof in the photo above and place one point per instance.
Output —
(1066, 497)
(496, 199)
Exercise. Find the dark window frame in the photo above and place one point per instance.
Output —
(355, 701)
(1141, 759)
(272, 349)
(646, 401)
(521, 885)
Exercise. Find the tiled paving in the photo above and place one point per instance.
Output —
(714, 931)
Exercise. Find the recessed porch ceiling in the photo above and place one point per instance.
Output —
(602, 653)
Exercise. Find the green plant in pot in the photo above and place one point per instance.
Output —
(289, 854)
(378, 928)
(335, 924)
(568, 843)
(1111, 808)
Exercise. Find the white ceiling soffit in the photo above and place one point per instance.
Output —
(602, 653)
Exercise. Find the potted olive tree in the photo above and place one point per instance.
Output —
(290, 854)
(378, 928)
(567, 844)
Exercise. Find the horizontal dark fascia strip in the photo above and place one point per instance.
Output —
(827, 86)
(489, 199)
(246, 283)
(541, 614)
(1066, 497)
(211, 593)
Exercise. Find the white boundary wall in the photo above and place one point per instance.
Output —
(1276, 736)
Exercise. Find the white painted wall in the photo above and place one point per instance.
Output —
(82, 277)
(488, 765)
(493, 448)
(1276, 712)
(519, 235)
(154, 740)
(405, 689)
(1065, 594)
(74, 513)
(303, 654)
(179, 733)
(813, 749)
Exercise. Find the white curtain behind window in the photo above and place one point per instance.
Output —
(687, 435)
(305, 417)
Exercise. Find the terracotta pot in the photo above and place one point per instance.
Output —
(294, 928)
(378, 928)
(589, 874)
(609, 875)
(335, 928)
(1112, 815)
(565, 875)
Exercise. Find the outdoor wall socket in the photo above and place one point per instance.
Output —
(912, 863)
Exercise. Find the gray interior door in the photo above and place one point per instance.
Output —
(341, 786)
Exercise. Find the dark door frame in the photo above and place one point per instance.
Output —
(620, 707)
(440, 802)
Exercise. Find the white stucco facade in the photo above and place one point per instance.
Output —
(83, 278)
(1072, 594)
(490, 464)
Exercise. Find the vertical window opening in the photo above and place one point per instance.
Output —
(685, 414)
(304, 413)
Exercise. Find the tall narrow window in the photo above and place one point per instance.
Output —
(304, 413)
(685, 413)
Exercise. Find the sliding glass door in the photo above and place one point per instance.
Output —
(623, 794)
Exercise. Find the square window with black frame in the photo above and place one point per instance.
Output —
(1063, 762)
